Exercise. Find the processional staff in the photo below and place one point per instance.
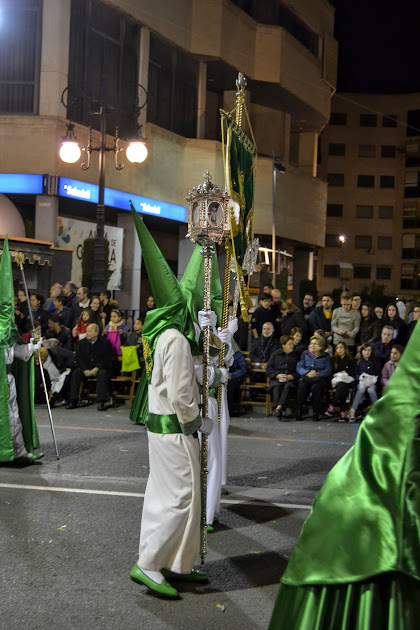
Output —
(20, 260)
(208, 223)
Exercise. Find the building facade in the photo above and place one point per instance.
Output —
(370, 157)
(58, 58)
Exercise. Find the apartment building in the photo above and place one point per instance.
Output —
(58, 57)
(370, 157)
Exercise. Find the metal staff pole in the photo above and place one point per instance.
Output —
(19, 260)
(207, 252)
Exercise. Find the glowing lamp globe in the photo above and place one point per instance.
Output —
(70, 152)
(136, 152)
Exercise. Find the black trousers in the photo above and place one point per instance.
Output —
(340, 395)
(313, 386)
(102, 384)
(280, 392)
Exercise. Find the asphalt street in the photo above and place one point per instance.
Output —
(69, 529)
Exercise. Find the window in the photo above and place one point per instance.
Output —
(410, 278)
(413, 122)
(334, 209)
(364, 212)
(384, 242)
(362, 271)
(367, 150)
(388, 150)
(172, 90)
(335, 179)
(363, 242)
(368, 120)
(411, 217)
(20, 49)
(387, 181)
(412, 184)
(337, 118)
(331, 240)
(390, 120)
(385, 212)
(410, 246)
(331, 271)
(383, 272)
(103, 61)
(336, 149)
(366, 181)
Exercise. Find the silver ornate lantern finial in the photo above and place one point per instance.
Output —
(208, 213)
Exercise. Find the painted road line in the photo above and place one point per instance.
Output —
(140, 495)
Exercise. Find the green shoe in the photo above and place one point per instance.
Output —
(210, 529)
(34, 456)
(224, 491)
(164, 589)
(194, 576)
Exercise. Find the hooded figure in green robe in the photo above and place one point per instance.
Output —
(356, 565)
(18, 432)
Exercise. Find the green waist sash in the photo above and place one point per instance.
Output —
(165, 423)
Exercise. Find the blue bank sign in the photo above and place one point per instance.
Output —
(17, 183)
(118, 199)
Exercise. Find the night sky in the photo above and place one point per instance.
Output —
(379, 45)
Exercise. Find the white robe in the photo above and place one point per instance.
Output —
(170, 527)
(20, 351)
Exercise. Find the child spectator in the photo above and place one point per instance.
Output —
(134, 338)
(261, 315)
(79, 331)
(389, 367)
(342, 381)
(367, 371)
(61, 309)
(115, 331)
(296, 337)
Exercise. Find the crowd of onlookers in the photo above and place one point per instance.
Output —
(335, 360)
(83, 336)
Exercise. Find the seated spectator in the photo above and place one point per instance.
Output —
(105, 298)
(57, 331)
(300, 318)
(285, 316)
(236, 377)
(57, 363)
(345, 322)
(356, 301)
(263, 347)
(80, 304)
(79, 331)
(325, 337)
(314, 369)
(134, 338)
(342, 381)
(62, 310)
(116, 332)
(56, 289)
(391, 318)
(379, 314)
(389, 367)
(22, 318)
(320, 317)
(276, 309)
(366, 374)
(415, 317)
(382, 348)
(93, 359)
(96, 312)
(36, 301)
(262, 314)
(296, 337)
(281, 370)
(70, 294)
(370, 326)
(35, 333)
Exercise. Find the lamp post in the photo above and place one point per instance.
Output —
(70, 152)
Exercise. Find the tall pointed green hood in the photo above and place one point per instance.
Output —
(8, 331)
(171, 306)
(192, 285)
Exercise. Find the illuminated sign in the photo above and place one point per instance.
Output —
(20, 183)
(119, 199)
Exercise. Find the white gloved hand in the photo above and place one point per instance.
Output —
(224, 335)
(33, 347)
(233, 325)
(224, 373)
(206, 426)
(199, 374)
(207, 318)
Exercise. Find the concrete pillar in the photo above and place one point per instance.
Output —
(201, 99)
(46, 213)
(54, 56)
(143, 74)
(308, 143)
(129, 296)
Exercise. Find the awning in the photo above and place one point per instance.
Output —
(34, 251)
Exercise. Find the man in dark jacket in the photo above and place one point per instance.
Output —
(236, 376)
(93, 359)
(69, 291)
(262, 314)
(57, 331)
(320, 317)
(382, 348)
(300, 319)
(263, 347)
(57, 363)
(281, 370)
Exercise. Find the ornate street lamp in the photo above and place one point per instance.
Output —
(70, 152)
